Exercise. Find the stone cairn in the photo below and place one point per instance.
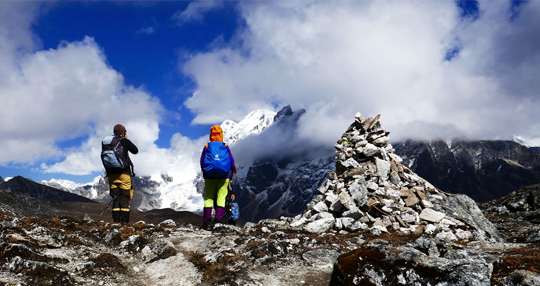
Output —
(371, 190)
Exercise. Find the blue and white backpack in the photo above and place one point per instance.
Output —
(112, 154)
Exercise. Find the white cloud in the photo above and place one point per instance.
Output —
(335, 58)
(195, 11)
(65, 93)
(70, 93)
(15, 36)
(146, 30)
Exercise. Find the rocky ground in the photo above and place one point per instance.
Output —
(84, 252)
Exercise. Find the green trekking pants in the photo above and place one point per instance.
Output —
(212, 186)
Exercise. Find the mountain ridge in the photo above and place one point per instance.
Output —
(484, 170)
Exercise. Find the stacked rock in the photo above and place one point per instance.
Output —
(372, 190)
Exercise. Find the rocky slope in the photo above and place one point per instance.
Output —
(483, 170)
(30, 188)
(373, 222)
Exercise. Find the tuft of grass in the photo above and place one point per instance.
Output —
(199, 261)
(517, 259)
(220, 272)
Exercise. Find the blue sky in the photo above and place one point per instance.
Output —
(168, 70)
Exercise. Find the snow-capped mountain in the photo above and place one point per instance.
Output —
(72, 187)
(254, 123)
(164, 192)
(519, 140)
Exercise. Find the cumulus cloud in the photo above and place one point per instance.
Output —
(65, 93)
(335, 58)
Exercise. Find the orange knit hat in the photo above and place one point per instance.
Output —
(216, 134)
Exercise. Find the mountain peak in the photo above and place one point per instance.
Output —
(253, 123)
(284, 112)
(518, 139)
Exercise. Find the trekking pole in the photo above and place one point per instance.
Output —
(107, 206)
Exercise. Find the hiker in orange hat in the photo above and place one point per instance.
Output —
(216, 164)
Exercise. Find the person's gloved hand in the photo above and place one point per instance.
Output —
(234, 169)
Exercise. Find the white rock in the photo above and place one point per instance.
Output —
(383, 168)
(372, 186)
(344, 198)
(167, 222)
(445, 223)
(381, 192)
(323, 189)
(448, 235)
(431, 215)
(338, 225)
(387, 203)
(431, 229)
(352, 224)
(320, 207)
(463, 234)
(381, 141)
(427, 204)
(299, 222)
(394, 194)
(320, 225)
(350, 164)
(324, 215)
(371, 150)
(409, 218)
(395, 157)
(437, 198)
(405, 230)
(377, 229)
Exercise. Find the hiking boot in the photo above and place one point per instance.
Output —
(208, 225)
